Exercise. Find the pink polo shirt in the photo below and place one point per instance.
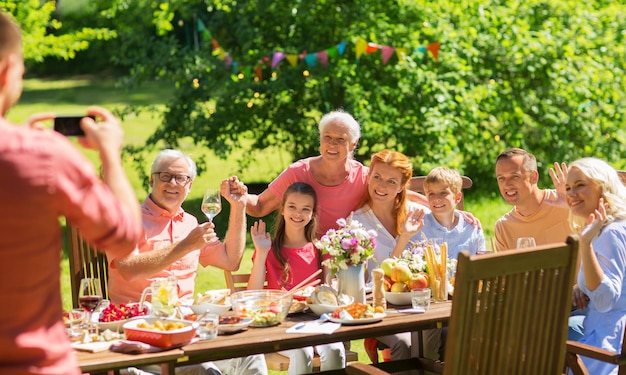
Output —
(334, 202)
(43, 178)
(162, 229)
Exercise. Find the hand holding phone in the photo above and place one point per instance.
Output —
(69, 125)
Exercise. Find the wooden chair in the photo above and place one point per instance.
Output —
(85, 261)
(417, 184)
(509, 313)
(275, 361)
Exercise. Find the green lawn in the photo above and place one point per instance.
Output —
(71, 96)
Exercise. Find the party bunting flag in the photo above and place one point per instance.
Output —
(387, 52)
(322, 57)
(434, 49)
(277, 58)
(311, 59)
(361, 46)
(292, 60)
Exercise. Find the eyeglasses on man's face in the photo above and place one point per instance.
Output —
(181, 179)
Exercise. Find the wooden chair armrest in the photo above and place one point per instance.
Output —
(593, 352)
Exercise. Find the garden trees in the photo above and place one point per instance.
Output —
(40, 31)
(546, 75)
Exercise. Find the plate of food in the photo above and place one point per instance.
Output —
(374, 319)
(230, 324)
(356, 313)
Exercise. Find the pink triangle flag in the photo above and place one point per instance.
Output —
(323, 57)
(387, 52)
(278, 57)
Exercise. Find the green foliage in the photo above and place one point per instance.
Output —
(39, 26)
(544, 75)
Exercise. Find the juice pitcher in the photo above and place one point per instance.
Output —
(164, 296)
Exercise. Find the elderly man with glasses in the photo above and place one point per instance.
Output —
(173, 244)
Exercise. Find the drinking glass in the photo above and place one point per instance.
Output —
(89, 297)
(208, 326)
(420, 298)
(77, 322)
(211, 203)
(523, 242)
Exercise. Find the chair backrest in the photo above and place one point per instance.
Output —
(236, 282)
(85, 261)
(510, 311)
(417, 184)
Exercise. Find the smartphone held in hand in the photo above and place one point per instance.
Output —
(69, 125)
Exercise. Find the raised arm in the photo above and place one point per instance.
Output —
(262, 247)
(263, 204)
(107, 137)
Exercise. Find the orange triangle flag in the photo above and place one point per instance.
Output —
(434, 49)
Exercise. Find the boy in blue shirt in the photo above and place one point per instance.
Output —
(442, 188)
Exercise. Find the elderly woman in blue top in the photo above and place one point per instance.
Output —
(597, 201)
(442, 188)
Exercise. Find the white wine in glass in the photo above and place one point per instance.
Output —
(211, 203)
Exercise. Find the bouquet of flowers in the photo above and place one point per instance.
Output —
(349, 245)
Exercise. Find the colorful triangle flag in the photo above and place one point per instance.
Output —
(292, 60)
(310, 59)
(372, 47)
(277, 58)
(332, 52)
(322, 57)
(361, 45)
(387, 52)
(401, 53)
(434, 49)
(341, 48)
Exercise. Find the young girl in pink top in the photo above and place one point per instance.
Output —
(276, 261)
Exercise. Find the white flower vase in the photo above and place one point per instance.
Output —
(352, 282)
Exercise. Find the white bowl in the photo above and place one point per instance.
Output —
(398, 299)
(320, 309)
(212, 307)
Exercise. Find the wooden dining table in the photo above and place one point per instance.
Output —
(267, 340)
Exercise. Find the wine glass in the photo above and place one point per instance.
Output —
(211, 203)
(89, 297)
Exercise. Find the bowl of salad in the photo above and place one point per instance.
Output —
(266, 307)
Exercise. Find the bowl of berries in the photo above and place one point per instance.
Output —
(114, 316)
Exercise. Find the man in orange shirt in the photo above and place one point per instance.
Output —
(538, 213)
(43, 178)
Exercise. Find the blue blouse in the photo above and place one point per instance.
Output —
(605, 321)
